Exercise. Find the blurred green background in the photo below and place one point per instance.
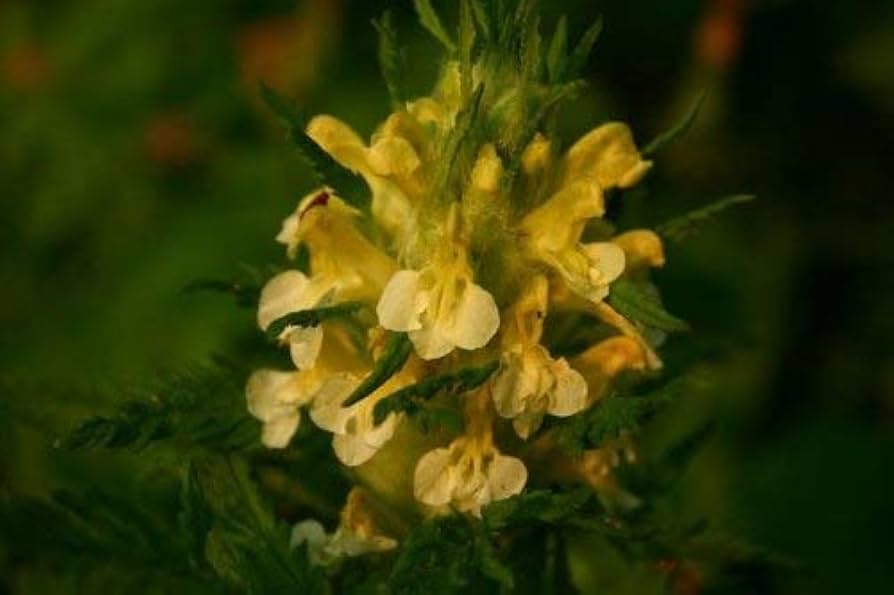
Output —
(135, 157)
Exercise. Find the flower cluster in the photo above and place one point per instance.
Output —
(463, 253)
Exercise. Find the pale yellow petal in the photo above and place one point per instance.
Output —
(430, 342)
(537, 155)
(352, 449)
(327, 411)
(393, 155)
(390, 206)
(609, 154)
(559, 222)
(569, 396)
(506, 476)
(304, 345)
(606, 259)
(642, 247)
(506, 388)
(476, 318)
(432, 480)
(289, 291)
(402, 302)
(266, 392)
(488, 170)
(278, 432)
(336, 138)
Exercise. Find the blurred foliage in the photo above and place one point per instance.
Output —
(135, 157)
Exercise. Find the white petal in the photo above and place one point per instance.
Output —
(506, 389)
(432, 480)
(352, 449)
(327, 411)
(309, 531)
(377, 436)
(526, 423)
(476, 318)
(278, 431)
(355, 448)
(285, 293)
(569, 396)
(401, 303)
(265, 393)
(312, 533)
(506, 476)
(430, 343)
(304, 345)
(607, 258)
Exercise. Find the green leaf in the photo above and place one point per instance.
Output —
(679, 129)
(535, 506)
(394, 356)
(447, 555)
(581, 52)
(246, 546)
(641, 305)
(461, 136)
(411, 397)
(679, 228)
(557, 54)
(245, 293)
(430, 20)
(201, 409)
(482, 16)
(466, 47)
(611, 416)
(310, 317)
(391, 59)
(328, 171)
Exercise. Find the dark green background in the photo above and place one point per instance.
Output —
(789, 296)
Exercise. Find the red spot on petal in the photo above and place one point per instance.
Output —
(320, 200)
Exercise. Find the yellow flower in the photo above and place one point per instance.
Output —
(552, 235)
(607, 154)
(440, 307)
(603, 362)
(356, 534)
(468, 474)
(530, 382)
(642, 249)
(391, 165)
(276, 399)
(340, 256)
(292, 291)
(356, 436)
(471, 472)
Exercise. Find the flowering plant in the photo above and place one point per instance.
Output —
(474, 342)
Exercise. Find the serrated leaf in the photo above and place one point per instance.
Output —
(394, 355)
(446, 555)
(311, 317)
(535, 506)
(557, 54)
(581, 52)
(328, 171)
(190, 408)
(391, 59)
(678, 228)
(246, 546)
(643, 306)
(615, 414)
(431, 21)
(411, 397)
(678, 129)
